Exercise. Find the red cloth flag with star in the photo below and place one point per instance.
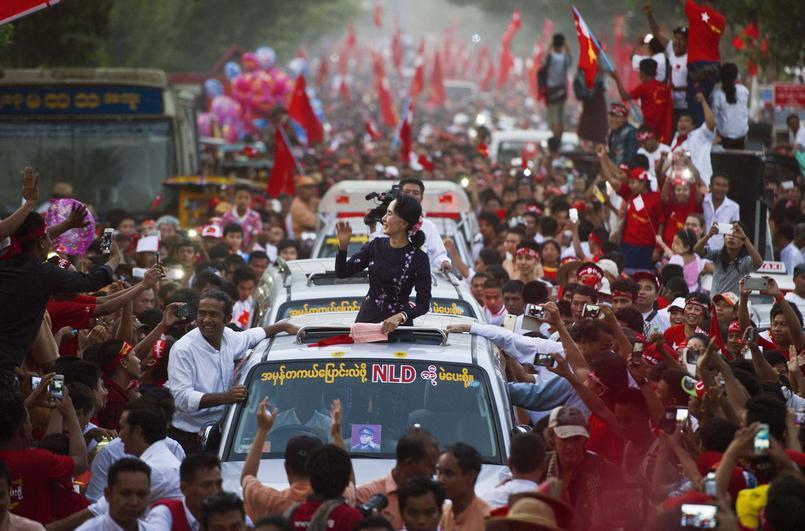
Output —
(343, 91)
(396, 50)
(436, 93)
(300, 110)
(588, 58)
(386, 102)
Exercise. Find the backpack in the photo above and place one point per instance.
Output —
(318, 522)
(580, 88)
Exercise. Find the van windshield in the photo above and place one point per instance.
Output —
(380, 401)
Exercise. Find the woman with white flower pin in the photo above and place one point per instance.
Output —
(396, 265)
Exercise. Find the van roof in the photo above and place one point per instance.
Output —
(441, 197)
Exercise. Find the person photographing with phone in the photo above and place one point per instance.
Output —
(736, 259)
(396, 264)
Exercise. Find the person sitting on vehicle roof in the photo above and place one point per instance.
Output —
(434, 246)
(396, 264)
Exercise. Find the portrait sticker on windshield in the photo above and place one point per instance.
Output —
(365, 437)
(436, 374)
(328, 373)
(344, 305)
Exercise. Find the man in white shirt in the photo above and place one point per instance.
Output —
(790, 254)
(109, 455)
(201, 367)
(200, 477)
(655, 151)
(648, 289)
(718, 208)
(526, 462)
(796, 133)
(698, 142)
(128, 492)
(434, 246)
(143, 430)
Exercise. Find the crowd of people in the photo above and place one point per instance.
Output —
(617, 299)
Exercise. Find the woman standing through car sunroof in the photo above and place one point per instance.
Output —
(396, 265)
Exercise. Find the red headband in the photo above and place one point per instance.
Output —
(734, 328)
(112, 365)
(696, 303)
(15, 247)
(620, 293)
(644, 135)
(528, 252)
(158, 350)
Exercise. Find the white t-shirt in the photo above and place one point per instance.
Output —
(652, 161)
(659, 57)
(795, 299)
(699, 142)
(679, 76)
(732, 119)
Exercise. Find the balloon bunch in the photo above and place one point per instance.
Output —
(254, 87)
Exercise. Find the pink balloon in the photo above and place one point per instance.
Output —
(225, 109)
(74, 241)
(204, 123)
(249, 62)
(229, 133)
(242, 87)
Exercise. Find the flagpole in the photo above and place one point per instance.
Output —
(299, 169)
(608, 64)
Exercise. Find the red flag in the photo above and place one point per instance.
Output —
(280, 180)
(371, 130)
(418, 81)
(14, 9)
(300, 110)
(425, 162)
(482, 58)
(515, 24)
(436, 94)
(405, 133)
(343, 61)
(489, 76)
(324, 70)
(377, 16)
(378, 69)
(343, 91)
(588, 58)
(396, 50)
(506, 64)
(386, 102)
(351, 38)
(547, 32)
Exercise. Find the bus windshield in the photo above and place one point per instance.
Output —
(110, 164)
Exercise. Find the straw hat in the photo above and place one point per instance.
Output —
(540, 511)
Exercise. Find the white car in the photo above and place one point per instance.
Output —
(310, 287)
(760, 305)
(507, 145)
(454, 388)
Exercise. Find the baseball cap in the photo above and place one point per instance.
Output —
(734, 328)
(567, 421)
(645, 275)
(638, 174)
(298, 449)
(608, 266)
(212, 231)
(367, 431)
(728, 297)
(681, 30)
(679, 303)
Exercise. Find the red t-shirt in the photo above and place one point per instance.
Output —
(109, 416)
(641, 225)
(655, 103)
(675, 216)
(33, 474)
(75, 313)
(343, 517)
(603, 442)
(705, 28)
(675, 335)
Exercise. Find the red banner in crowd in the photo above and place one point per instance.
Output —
(280, 180)
(588, 58)
(436, 93)
(418, 81)
(300, 110)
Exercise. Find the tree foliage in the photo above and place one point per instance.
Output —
(176, 35)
